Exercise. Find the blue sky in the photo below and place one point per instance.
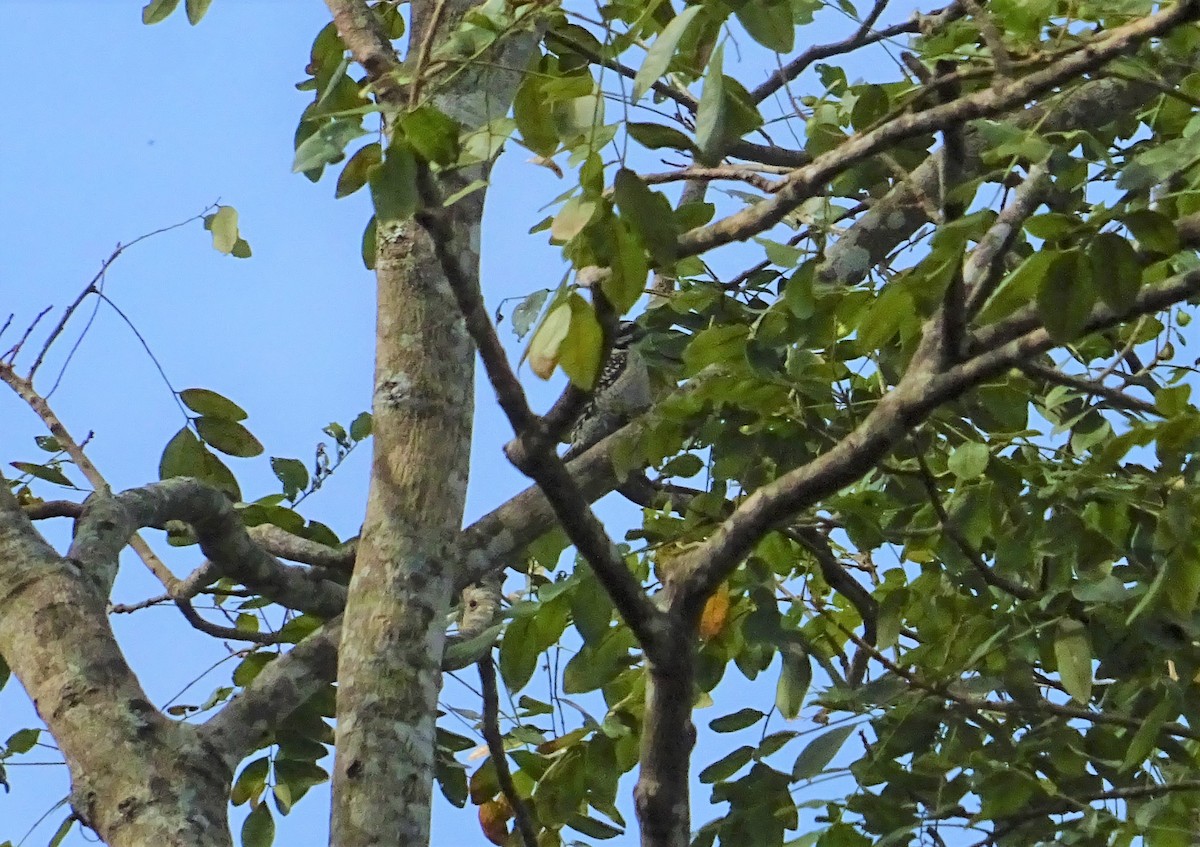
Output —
(115, 129)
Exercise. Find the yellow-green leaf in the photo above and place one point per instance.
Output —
(224, 227)
(1073, 652)
(547, 338)
(658, 57)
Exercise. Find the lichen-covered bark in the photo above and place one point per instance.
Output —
(137, 778)
(406, 571)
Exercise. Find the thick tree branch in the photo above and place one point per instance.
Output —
(364, 37)
(918, 393)
(538, 459)
(150, 772)
(900, 213)
(278, 690)
(984, 267)
(809, 180)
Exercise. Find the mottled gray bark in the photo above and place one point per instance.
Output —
(406, 570)
(137, 777)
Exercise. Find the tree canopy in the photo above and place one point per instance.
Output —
(914, 290)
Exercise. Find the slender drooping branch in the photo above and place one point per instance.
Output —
(495, 745)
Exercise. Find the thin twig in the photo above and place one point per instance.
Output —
(952, 531)
(11, 353)
(1115, 396)
(495, 745)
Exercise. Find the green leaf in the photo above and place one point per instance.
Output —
(783, 255)
(1155, 233)
(230, 437)
(740, 719)
(969, 461)
(579, 353)
(22, 741)
(798, 294)
(727, 766)
(528, 310)
(368, 244)
(196, 10)
(547, 339)
(224, 227)
(1146, 738)
(712, 114)
(1073, 653)
(327, 144)
(184, 455)
(249, 669)
(593, 828)
(657, 136)
(534, 118)
(1173, 401)
(432, 134)
(518, 653)
(394, 185)
(64, 827)
(794, 679)
(1182, 568)
(460, 654)
(649, 214)
(1116, 271)
(1066, 296)
(292, 473)
(211, 404)
(769, 22)
(659, 56)
(158, 10)
(47, 473)
(250, 782)
(572, 218)
(1020, 287)
(814, 758)
(258, 830)
(356, 171)
(362, 426)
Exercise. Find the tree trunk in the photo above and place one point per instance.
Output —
(389, 664)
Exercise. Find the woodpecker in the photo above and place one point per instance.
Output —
(622, 392)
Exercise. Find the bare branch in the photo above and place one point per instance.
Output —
(862, 37)
(495, 745)
(226, 632)
(1113, 396)
(279, 542)
(53, 509)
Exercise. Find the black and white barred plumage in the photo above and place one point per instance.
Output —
(622, 392)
